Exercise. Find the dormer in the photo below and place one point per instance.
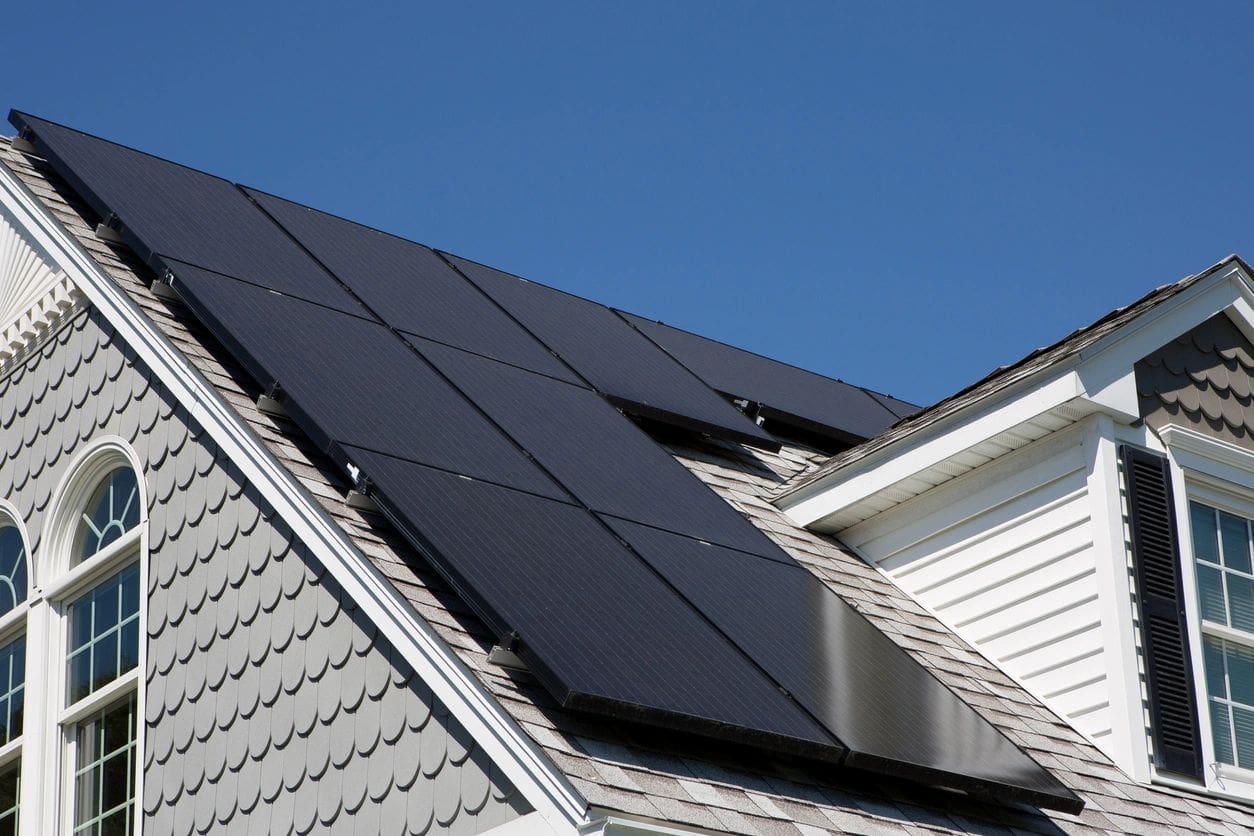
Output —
(1085, 519)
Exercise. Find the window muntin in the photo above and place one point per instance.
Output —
(103, 634)
(112, 510)
(1224, 564)
(104, 774)
(12, 568)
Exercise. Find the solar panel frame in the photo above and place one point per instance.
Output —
(170, 210)
(892, 714)
(599, 455)
(671, 668)
(613, 357)
(396, 403)
(786, 393)
(410, 287)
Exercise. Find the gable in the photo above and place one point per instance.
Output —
(1201, 380)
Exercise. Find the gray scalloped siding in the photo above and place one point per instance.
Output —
(1201, 380)
(272, 704)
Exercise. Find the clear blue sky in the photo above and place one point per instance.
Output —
(846, 187)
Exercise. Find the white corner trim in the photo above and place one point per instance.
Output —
(1128, 745)
(503, 740)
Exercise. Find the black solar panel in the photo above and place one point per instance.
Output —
(890, 712)
(596, 624)
(175, 211)
(811, 401)
(353, 381)
(411, 288)
(596, 453)
(613, 357)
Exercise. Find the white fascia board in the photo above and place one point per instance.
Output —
(1102, 376)
(544, 786)
(877, 472)
(1105, 367)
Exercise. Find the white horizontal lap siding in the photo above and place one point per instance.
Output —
(1004, 555)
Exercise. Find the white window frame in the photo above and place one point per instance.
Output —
(48, 758)
(13, 624)
(1220, 475)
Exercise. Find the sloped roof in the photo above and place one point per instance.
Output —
(617, 768)
(1004, 377)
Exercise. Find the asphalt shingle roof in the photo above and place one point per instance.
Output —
(637, 772)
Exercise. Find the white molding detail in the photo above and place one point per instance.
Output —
(34, 290)
(522, 761)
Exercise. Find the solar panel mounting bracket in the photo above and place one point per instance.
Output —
(505, 654)
(22, 143)
(163, 287)
(109, 230)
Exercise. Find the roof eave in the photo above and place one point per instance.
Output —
(1021, 406)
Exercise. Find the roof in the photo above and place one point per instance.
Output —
(619, 768)
(1004, 377)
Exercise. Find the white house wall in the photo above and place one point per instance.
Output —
(1005, 556)
(272, 703)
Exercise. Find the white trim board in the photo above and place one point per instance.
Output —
(503, 740)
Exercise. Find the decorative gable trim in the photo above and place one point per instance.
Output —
(34, 290)
(504, 741)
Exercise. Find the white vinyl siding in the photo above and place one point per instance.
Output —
(1008, 562)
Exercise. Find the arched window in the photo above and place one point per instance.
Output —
(13, 592)
(110, 512)
(86, 615)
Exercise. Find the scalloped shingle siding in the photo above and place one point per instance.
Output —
(1203, 380)
(272, 704)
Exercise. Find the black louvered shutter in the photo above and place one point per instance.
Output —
(1164, 635)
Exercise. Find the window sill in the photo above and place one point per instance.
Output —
(1223, 781)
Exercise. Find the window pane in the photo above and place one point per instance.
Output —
(104, 777)
(1205, 535)
(1213, 656)
(12, 688)
(104, 634)
(1243, 726)
(112, 511)
(10, 795)
(1240, 601)
(1210, 587)
(1240, 673)
(1236, 542)
(1221, 730)
(12, 569)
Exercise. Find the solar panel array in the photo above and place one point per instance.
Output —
(482, 409)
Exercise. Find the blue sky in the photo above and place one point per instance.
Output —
(902, 195)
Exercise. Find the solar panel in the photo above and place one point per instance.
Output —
(613, 357)
(596, 453)
(889, 711)
(171, 210)
(352, 381)
(793, 395)
(598, 627)
(411, 288)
